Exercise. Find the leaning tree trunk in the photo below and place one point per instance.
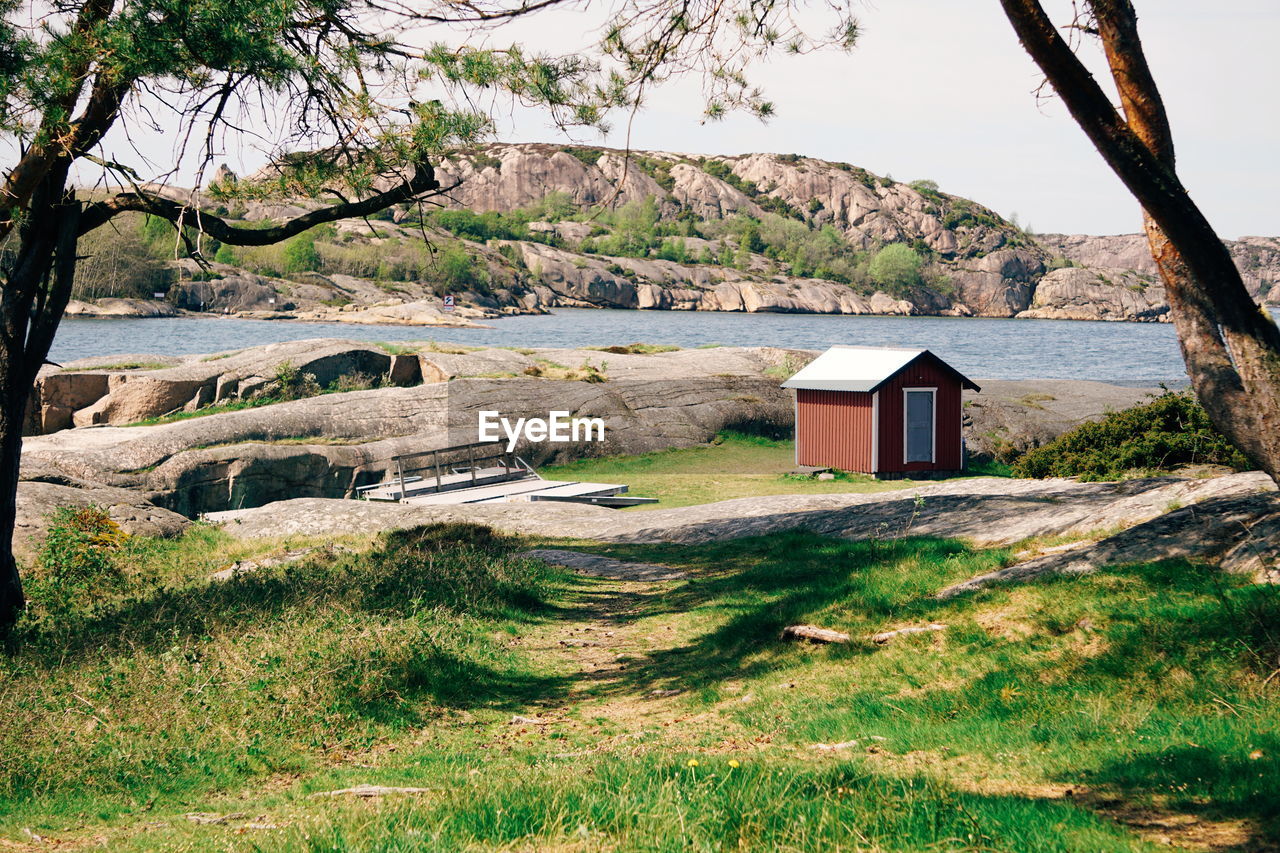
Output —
(35, 292)
(1230, 346)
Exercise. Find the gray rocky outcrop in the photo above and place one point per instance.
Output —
(132, 511)
(1099, 293)
(1237, 531)
(120, 307)
(999, 284)
(331, 444)
(1258, 258)
(985, 511)
(77, 395)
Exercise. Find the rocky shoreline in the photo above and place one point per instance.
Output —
(163, 439)
(606, 212)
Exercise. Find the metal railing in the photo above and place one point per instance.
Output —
(458, 467)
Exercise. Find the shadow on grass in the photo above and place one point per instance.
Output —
(1219, 632)
(767, 583)
(419, 617)
(1202, 781)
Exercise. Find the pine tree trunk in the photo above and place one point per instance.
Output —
(13, 403)
(34, 296)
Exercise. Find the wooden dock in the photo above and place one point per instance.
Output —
(483, 473)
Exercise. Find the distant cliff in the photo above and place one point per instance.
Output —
(530, 227)
(986, 265)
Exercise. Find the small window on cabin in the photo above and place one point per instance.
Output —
(919, 425)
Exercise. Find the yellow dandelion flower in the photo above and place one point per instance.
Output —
(693, 762)
(733, 762)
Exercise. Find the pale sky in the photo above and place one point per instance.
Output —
(941, 89)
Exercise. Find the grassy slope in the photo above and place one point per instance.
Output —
(736, 466)
(1054, 716)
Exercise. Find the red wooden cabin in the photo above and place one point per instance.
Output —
(886, 411)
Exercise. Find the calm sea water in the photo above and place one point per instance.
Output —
(987, 348)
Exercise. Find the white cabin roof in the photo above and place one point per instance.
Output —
(853, 368)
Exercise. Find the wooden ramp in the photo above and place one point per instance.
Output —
(520, 490)
(483, 473)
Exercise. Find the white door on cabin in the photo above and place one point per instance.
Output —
(919, 425)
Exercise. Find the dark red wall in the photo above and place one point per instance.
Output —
(947, 416)
(833, 429)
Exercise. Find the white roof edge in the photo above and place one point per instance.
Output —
(848, 367)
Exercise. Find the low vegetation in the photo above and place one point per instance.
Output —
(637, 349)
(1170, 431)
(587, 371)
(736, 465)
(167, 684)
(526, 708)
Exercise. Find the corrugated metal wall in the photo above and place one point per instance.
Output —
(924, 373)
(833, 429)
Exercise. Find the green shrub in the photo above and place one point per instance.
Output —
(1171, 430)
(460, 566)
(588, 156)
(896, 268)
(288, 383)
(300, 255)
(490, 225)
(225, 255)
(78, 560)
(458, 271)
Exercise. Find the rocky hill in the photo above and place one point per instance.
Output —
(535, 226)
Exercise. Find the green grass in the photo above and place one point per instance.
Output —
(989, 468)
(735, 466)
(1141, 689)
(343, 384)
(179, 687)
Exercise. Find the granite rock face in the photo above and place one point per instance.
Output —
(988, 512)
(1258, 259)
(1098, 293)
(89, 392)
(121, 307)
(330, 444)
(132, 511)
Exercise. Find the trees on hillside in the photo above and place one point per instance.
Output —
(1231, 348)
(349, 81)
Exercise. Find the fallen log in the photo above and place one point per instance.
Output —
(813, 634)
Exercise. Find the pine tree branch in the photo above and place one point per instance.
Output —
(422, 184)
